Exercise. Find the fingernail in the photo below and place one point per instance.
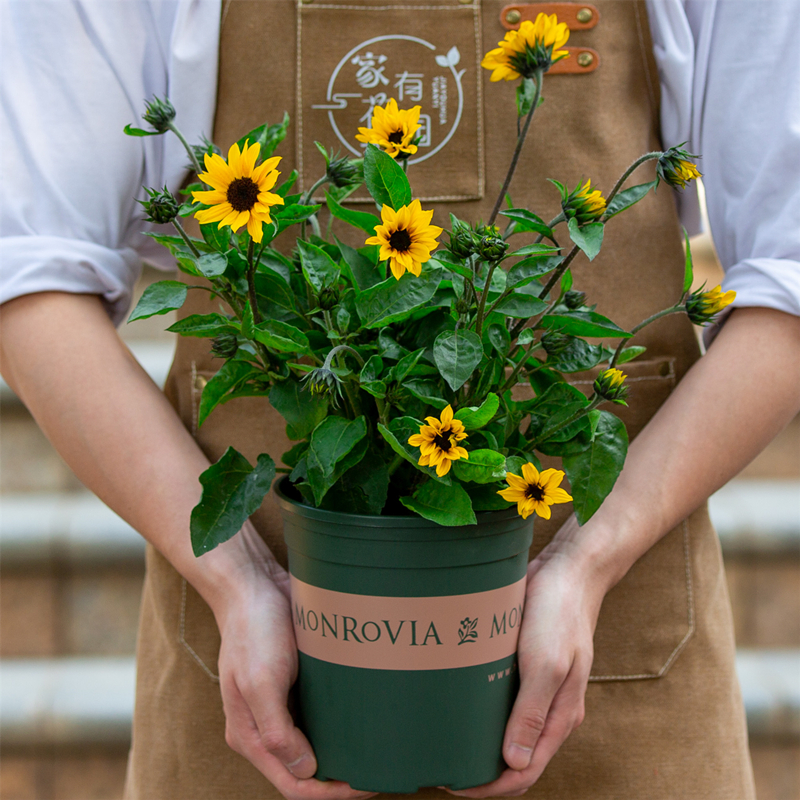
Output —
(295, 763)
(519, 755)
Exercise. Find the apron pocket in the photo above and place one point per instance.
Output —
(357, 54)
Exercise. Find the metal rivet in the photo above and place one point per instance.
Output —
(585, 60)
(513, 17)
(200, 383)
(585, 15)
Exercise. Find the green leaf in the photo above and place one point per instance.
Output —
(521, 305)
(332, 441)
(131, 131)
(588, 237)
(402, 428)
(525, 271)
(583, 323)
(204, 325)
(566, 281)
(268, 136)
(302, 410)
(230, 377)
(289, 215)
(319, 269)
(358, 219)
(593, 473)
(232, 491)
(272, 290)
(248, 323)
(579, 355)
(485, 497)
(537, 249)
(526, 91)
(628, 198)
(688, 273)
(404, 366)
(482, 466)
(526, 221)
(362, 489)
(363, 271)
(427, 391)
(456, 354)
(212, 265)
(474, 417)
(372, 370)
(629, 353)
(392, 300)
(218, 238)
(281, 336)
(499, 338)
(159, 298)
(385, 179)
(446, 505)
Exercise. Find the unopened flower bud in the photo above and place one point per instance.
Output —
(703, 307)
(224, 346)
(159, 113)
(574, 300)
(492, 247)
(610, 385)
(675, 168)
(555, 342)
(343, 172)
(328, 298)
(463, 242)
(160, 207)
(583, 203)
(323, 382)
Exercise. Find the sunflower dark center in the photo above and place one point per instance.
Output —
(396, 137)
(242, 194)
(534, 492)
(442, 442)
(400, 240)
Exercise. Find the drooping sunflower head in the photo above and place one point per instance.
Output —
(524, 52)
(438, 442)
(610, 385)
(240, 191)
(534, 491)
(406, 238)
(583, 203)
(675, 168)
(393, 129)
(702, 307)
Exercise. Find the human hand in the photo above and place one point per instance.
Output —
(555, 653)
(257, 667)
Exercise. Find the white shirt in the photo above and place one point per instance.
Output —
(75, 73)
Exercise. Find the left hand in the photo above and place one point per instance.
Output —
(555, 653)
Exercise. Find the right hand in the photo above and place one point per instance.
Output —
(257, 667)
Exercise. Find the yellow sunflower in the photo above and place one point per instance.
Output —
(239, 190)
(406, 238)
(438, 442)
(393, 129)
(533, 47)
(702, 307)
(535, 491)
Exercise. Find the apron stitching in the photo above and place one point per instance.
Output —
(182, 637)
(299, 94)
(477, 15)
(651, 96)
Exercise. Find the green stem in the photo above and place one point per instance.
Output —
(394, 464)
(520, 141)
(556, 276)
(310, 193)
(556, 219)
(621, 346)
(547, 434)
(251, 282)
(484, 294)
(185, 237)
(512, 379)
(625, 175)
(195, 163)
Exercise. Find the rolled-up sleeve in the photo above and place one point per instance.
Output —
(746, 123)
(74, 74)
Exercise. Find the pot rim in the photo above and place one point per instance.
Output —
(380, 521)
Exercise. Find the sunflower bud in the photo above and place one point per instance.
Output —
(323, 382)
(160, 207)
(610, 385)
(703, 307)
(574, 300)
(555, 342)
(675, 168)
(159, 113)
(491, 246)
(328, 298)
(224, 346)
(583, 203)
(343, 172)
(463, 241)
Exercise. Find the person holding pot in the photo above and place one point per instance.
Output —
(627, 625)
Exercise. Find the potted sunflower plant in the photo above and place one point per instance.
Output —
(409, 496)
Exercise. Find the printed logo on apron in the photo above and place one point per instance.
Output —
(353, 58)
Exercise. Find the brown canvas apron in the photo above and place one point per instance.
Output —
(664, 718)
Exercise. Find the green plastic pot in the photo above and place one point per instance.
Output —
(407, 634)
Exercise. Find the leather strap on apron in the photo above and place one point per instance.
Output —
(663, 716)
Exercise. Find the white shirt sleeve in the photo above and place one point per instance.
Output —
(74, 74)
(730, 80)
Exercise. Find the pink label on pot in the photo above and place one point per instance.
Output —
(408, 633)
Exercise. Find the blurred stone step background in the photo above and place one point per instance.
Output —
(70, 580)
